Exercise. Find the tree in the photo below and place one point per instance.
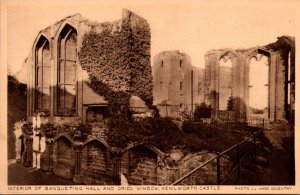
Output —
(230, 104)
(202, 111)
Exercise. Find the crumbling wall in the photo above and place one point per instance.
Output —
(139, 165)
(285, 47)
(279, 108)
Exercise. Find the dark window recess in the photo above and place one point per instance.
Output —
(180, 63)
(162, 63)
(96, 115)
(199, 87)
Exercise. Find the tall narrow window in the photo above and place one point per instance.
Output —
(42, 75)
(225, 81)
(161, 85)
(162, 63)
(181, 88)
(258, 83)
(180, 63)
(199, 88)
(66, 99)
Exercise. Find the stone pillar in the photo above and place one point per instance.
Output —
(272, 87)
(117, 169)
(77, 178)
(281, 87)
(18, 148)
(38, 160)
(49, 144)
(243, 86)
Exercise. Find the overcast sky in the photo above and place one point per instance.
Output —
(193, 27)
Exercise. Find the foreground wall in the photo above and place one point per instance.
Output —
(94, 162)
(80, 74)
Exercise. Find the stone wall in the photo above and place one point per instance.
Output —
(139, 166)
(175, 80)
(278, 78)
(96, 164)
(114, 54)
(207, 175)
(63, 158)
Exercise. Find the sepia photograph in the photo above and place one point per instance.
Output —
(148, 97)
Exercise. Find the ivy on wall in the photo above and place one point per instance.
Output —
(118, 64)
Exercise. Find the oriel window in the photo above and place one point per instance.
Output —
(42, 75)
(67, 79)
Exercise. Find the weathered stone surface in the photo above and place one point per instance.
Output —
(216, 78)
(172, 83)
(120, 59)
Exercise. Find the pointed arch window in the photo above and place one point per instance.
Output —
(67, 79)
(42, 75)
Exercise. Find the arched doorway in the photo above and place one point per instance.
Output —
(225, 82)
(139, 166)
(63, 158)
(20, 148)
(96, 164)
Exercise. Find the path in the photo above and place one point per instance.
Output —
(20, 175)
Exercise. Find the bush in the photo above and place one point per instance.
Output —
(27, 129)
(164, 134)
(150, 130)
(230, 104)
(210, 137)
(79, 132)
(202, 111)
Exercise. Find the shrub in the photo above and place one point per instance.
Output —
(210, 137)
(27, 129)
(230, 103)
(79, 132)
(202, 111)
(164, 134)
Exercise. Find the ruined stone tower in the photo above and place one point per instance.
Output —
(176, 82)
